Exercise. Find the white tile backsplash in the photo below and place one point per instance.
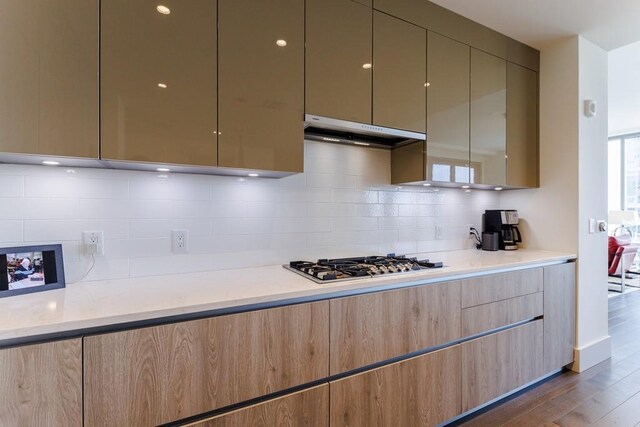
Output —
(342, 206)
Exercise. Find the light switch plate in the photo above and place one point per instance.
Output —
(592, 225)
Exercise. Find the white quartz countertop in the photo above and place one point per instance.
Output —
(93, 306)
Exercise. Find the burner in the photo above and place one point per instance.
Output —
(325, 270)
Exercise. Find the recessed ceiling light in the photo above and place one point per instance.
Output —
(367, 66)
(254, 175)
(163, 170)
(426, 184)
(50, 163)
(162, 85)
(281, 43)
(498, 188)
(163, 176)
(427, 84)
(465, 186)
(163, 9)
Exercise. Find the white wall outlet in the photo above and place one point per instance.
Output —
(179, 241)
(93, 242)
(439, 232)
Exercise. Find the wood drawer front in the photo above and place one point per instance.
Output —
(497, 287)
(41, 384)
(496, 364)
(161, 374)
(486, 317)
(422, 391)
(370, 328)
(305, 408)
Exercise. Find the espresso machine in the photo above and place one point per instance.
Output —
(505, 223)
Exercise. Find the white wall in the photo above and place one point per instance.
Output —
(342, 206)
(573, 170)
(624, 90)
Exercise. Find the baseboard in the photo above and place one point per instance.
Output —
(592, 354)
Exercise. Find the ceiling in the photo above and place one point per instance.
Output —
(608, 23)
(624, 90)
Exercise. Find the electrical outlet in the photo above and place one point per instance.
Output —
(93, 242)
(179, 241)
(439, 232)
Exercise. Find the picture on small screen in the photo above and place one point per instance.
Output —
(25, 270)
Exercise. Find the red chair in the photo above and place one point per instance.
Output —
(621, 255)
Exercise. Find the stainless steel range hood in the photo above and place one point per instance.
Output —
(318, 128)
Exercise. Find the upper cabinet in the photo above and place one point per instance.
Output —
(399, 73)
(339, 62)
(447, 111)
(261, 85)
(49, 77)
(488, 118)
(522, 126)
(158, 81)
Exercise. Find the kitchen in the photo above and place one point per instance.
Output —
(178, 179)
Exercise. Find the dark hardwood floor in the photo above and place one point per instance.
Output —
(606, 395)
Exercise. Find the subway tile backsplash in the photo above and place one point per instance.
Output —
(342, 206)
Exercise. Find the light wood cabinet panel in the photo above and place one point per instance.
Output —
(161, 374)
(486, 317)
(497, 287)
(499, 363)
(338, 45)
(371, 328)
(261, 85)
(559, 315)
(142, 50)
(488, 118)
(522, 126)
(448, 110)
(49, 77)
(41, 384)
(305, 408)
(399, 73)
(423, 391)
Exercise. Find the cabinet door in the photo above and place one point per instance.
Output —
(559, 315)
(499, 363)
(399, 73)
(488, 118)
(371, 328)
(338, 59)
(447, 110)
(158, 81)
(49, 77)
(305, 408)
(261, 93)
(161, 374)
(423, 391)
(42, 384)
(522, 126)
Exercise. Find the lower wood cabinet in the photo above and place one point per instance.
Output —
(487, 317)
(41, 384)
(423, 391)
(499, 363)
(371, 328)
(305, 408)
(501, 286)
(559, 315)
(160, 374)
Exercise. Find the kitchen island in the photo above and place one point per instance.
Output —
(235, 346)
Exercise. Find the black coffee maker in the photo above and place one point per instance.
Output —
(505, 223)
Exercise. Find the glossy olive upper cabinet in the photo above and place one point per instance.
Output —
(158, 81)
(399, 73)
(448, 111)
(49, 77)
(338, 59)
(261, 84)
(488, 118)
(522, 126)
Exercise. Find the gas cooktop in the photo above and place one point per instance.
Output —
(332, 270)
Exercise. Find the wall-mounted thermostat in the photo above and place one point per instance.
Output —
(589, 108)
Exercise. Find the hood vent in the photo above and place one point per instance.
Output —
(325, 129)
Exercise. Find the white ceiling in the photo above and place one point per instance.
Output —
(608, 23)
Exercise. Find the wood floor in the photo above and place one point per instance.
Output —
(606, 395)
